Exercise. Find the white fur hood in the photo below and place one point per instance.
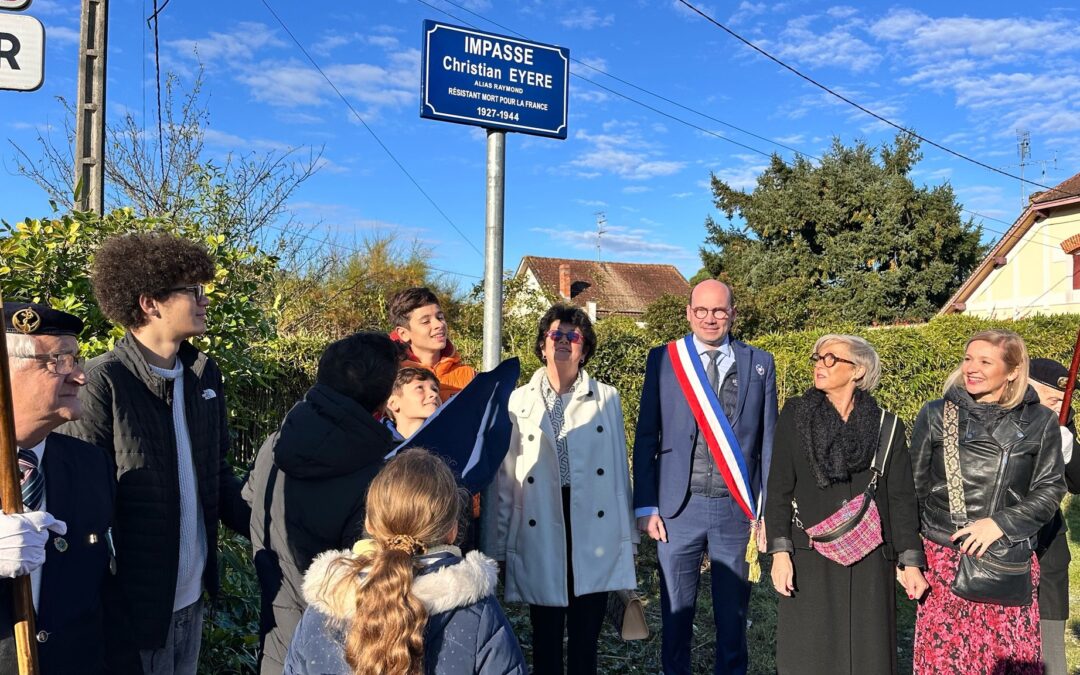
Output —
(331, 588)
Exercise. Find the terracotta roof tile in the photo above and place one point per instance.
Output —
(616, 288)
(1063, 190)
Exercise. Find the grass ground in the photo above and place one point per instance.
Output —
(617, 656)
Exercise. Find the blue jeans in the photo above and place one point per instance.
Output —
(180, 655)
(718, 526)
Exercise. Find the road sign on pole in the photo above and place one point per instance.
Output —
(22, 52)
(473, 77)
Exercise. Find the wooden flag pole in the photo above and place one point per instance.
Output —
(11, 499)
(1070, 386)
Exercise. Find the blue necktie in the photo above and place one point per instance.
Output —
(33, 483)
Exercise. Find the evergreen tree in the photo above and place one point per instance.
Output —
(851, 239)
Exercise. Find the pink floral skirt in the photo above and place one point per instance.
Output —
(956, 637)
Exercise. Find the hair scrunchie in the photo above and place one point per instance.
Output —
(406, 543)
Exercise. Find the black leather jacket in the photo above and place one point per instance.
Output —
(1010, 462)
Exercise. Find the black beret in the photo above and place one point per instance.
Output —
(1049, 372)
(28, 318)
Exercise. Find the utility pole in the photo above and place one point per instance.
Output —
(90, 107)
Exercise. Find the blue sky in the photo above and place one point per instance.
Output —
(966, 80)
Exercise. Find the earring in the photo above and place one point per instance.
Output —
(581, 363)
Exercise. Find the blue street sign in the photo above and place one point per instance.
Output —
(472, 77)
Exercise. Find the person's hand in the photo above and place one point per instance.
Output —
(979, 535)
(1066, 444)
(22, 541)
(913, 581)
(653, 526)
(762, 540)
(783, 573)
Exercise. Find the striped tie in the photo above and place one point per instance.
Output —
(33, 483)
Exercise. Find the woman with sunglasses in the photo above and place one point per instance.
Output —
(836, 618)
(565, 522)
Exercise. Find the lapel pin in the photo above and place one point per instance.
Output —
(760, 369)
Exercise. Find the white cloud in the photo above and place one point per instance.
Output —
(586, 18)
(636, 189)
(636, 243)
(291, 83)
(745, 11)
(62, 34)
(837, 47)
(841, 12)
(742, 176)
(1005, 40)
(590, 202)
(622, 151)
(681, 195)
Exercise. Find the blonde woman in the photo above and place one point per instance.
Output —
(824, 455)
(405, 601)
(1009, 465)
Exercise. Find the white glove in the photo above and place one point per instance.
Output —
(22, 541)
(1066, 444)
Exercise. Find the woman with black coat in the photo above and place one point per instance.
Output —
(838, 619)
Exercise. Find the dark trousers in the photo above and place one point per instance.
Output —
(582, 620)
(718, 526)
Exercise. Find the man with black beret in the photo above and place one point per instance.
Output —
(62, 539)
(1049, 378)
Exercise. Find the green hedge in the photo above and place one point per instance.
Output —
(915, 360)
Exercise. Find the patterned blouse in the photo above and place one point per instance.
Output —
(554, 404)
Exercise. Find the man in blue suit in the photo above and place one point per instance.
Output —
(693, 498)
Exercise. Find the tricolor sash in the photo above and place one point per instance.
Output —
(712, 422)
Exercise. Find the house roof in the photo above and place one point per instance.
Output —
(1039, 207)
(615, 287)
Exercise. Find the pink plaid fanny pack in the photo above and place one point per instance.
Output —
(853, 531)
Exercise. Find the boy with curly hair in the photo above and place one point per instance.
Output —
(156, 404)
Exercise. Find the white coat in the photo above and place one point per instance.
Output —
(531, 535)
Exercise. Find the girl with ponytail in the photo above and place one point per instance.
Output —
(405, 602)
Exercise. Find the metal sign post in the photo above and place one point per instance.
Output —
(503, 84)
(493, 247)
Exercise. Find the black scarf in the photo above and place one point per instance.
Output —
(836, 449)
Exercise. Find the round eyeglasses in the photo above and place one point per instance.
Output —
(717, 312)
(829, 359)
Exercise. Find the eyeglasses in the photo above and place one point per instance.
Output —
(61, 363)
(573, 337)
(717, 312)
(829, 359)
(198, 291)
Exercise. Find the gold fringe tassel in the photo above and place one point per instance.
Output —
(752, 555)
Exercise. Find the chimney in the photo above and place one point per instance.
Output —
(564, 280)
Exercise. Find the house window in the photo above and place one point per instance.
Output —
(1076, 271)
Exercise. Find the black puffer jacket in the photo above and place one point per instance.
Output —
(127, 411)
(307, 494)
(1010, 461)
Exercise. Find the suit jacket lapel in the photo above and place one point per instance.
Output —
(742, 367)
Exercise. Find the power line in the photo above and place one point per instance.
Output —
(370, 130)
(863, 108)
(680, 120)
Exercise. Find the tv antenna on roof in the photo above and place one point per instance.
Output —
(601, 220)
(1023, 149)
